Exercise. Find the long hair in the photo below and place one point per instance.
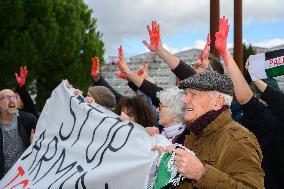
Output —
(140, 109)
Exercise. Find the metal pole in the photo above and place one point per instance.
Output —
(214, 25)
(238, 46)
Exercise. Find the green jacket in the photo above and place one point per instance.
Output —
(230, 153)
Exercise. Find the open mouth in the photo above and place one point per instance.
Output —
(12, 106)
(188, 109)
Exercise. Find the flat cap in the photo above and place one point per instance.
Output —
(208, 81)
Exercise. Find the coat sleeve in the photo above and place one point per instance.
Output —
(241, 168)
(29, 105)
(183, 70)
(275, 100)
(151, 90)
(132, 86)
(261, 122)
(103, 82)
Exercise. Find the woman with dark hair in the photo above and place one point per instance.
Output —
(135, 109)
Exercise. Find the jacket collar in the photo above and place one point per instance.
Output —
(223, 119)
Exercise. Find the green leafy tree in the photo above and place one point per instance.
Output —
(55, 39)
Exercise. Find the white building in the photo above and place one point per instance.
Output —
(158, 69)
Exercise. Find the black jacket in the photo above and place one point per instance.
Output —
(182, 71)
(26, 122)
(268, 126)
(29, 105)
(102, 82)
(275, 99)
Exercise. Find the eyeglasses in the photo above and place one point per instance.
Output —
(9, 97)
(162, 105)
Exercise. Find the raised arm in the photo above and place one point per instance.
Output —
(157, 47)
(125, 72)
(202, 63)
(99, 80)
(28, 104)
(144, 85)
(242, 90)
(180, 69)
(258, 119)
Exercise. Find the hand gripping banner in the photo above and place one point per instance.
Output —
(81, 145)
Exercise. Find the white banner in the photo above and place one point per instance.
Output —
(78, 145)
(257, 66)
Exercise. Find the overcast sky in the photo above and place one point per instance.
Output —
(184, 23)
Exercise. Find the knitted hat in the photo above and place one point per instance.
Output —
(103, 96)
(209, 81)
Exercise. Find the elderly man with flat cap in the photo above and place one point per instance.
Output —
(227, 155)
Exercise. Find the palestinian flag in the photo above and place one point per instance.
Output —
(264, 65)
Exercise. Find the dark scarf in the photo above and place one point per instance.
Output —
(203, 121)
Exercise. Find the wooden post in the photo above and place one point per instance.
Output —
(214, 25)
(238, 30)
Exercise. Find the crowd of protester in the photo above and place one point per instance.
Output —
(235, 144)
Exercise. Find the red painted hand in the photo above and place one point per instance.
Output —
(21, 80)
(154, 33)
(140, 71)
(206, 48)
(121, 64)
(119, 73)
(120, 53)
(221, 37)
(95, 66)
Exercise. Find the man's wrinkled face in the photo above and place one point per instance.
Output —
(197, 103)
(8, 102)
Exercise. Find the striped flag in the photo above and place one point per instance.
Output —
(264, 65)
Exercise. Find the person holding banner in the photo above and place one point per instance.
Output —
(135, 109)
(102, 96)
(130, 107)
(227, 155)
(266, 123)
(16, 130)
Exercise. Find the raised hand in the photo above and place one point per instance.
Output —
(206, 48)
(140, 71)
(120, 75)
(221, 37)
(95, 67)
(155, 39)
(202, 63)
(143, 71)
(121, 65)
(21, 80)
